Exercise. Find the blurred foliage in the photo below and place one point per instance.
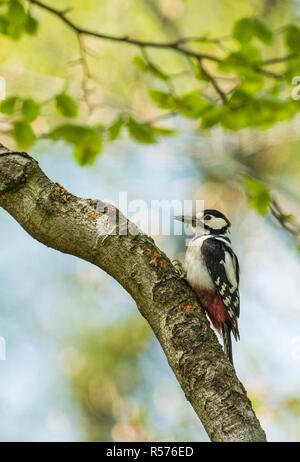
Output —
(241, 80)
(259, 195)
(86, 140)
(15, 20)
(246, 29)
(102, 365)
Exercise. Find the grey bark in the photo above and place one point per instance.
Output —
(75, 226)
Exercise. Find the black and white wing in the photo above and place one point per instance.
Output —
(222, 265)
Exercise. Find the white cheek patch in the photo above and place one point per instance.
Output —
(216, 223)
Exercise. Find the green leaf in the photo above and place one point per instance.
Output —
(144, 66)
(162, 131)
(246, 29)
(241, 61)
(259, 195)
(23, 135)
(8, 106)
(115, 129)
(30, 110)
(260, 204)
(274, 109)
(163, 100)
(242, 30)
(252, 83)
(193, 104)
(31, 25)
(212, 117)
(157, 73)
(289, 217)
(87, 141)
(86, 152)
(253, 186)
(262, 31)
(66, 105)
(17, 12)
(68, 132)
(236, 118)
(250, 54)
(292, 38)
(141, 132)
(292, 69)
(200, 75)
(3, 25)
(140, 63)
(246, 110)
(17, 19)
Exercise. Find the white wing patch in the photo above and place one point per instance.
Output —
(223, 288)
(230, 271)
(227, 301)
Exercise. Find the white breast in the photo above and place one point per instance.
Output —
(195, 267)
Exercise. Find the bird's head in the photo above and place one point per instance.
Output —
(209, 221)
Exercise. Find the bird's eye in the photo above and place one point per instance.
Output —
(207, 217)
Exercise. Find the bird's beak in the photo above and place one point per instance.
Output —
(192, 221)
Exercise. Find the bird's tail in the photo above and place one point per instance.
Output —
(227, 343)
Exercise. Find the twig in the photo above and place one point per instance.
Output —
(86, 75)
(285, 220)
(213, 82)
(278, 60)
(175, 45)
(168, 78)
(161, 117)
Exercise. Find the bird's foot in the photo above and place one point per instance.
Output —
(179, 268)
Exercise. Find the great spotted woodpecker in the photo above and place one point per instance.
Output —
(212, 269)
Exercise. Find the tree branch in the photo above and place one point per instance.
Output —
(75, 226)
(175, 45)
(281, 59)
(287, 221)
(213, 82)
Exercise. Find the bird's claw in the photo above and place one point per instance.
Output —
(179, 268)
